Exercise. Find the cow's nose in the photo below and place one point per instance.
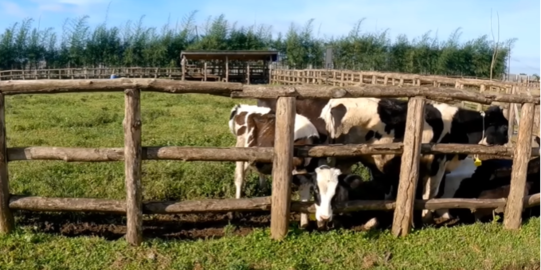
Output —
(325, 218)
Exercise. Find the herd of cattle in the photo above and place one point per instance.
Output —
(381, 121)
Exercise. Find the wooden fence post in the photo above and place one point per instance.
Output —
(282, 167)
(523, 150)
(132, 166)
(511, 116)
(409, 168)
(183, 63)
(6, 217)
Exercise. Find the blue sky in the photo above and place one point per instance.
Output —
(518, 18)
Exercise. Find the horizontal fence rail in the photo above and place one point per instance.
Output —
(238, 90)
(48, 204)
(281, 155)
(259, 154)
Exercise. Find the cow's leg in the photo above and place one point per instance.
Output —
(262, 182)
(430, 190)
(304, 192)
(371, 224)
(240, 169)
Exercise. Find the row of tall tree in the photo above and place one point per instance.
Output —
(78, 45)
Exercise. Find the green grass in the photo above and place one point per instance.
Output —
(95, 120)
(481, 246)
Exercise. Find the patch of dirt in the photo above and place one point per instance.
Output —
(179, 226)
(184, 226)
(112, 227)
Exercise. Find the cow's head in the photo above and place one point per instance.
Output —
(496, 126)
(329, 187)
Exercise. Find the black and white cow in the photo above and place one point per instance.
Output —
(330, 186)
(490, 180)
(380, 121)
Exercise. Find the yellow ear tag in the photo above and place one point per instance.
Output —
(477, 162)
(312, 216)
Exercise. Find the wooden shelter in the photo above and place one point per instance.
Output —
(249, 67)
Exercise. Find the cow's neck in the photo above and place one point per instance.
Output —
(476, 127)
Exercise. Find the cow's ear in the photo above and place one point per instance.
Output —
(353, 181)
(303, 179)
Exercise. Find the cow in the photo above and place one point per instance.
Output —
(500, 192)
(380, 121)
(254, 126)
(489, 181)
(330, 186)
(309, 108)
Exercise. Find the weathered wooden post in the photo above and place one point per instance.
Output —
(205, 71)
(226, 69)
(6, 217)
(282, 167)
(409, 168)
(132, 166)
(183, 63)
(511, 116)
(523, 150)
(247, 73)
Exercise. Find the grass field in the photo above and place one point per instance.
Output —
(95, 120)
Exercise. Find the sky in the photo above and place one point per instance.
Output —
(518, 18)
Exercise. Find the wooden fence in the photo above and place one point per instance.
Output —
(282, 76)
(91, 73)
(352, 77)
(281, 155)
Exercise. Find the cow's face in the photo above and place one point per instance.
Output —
(329, 187)
(496, 127)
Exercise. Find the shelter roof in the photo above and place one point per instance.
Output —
(242, 55)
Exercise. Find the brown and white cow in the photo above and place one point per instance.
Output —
(309, 108)
(254, 126)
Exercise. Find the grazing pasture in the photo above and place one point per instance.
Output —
(95, 120)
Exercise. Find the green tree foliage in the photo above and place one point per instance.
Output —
(25, 46)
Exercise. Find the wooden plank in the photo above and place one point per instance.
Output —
(409, 168)
(7, 223)
(443, 94)
(282, 166)
(237, 90)
(260, 154)
(513, 209)
(132, 160)
(48, 204)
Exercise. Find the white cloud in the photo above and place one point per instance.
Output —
(78, 7)
(12, 9)
(52, 7)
